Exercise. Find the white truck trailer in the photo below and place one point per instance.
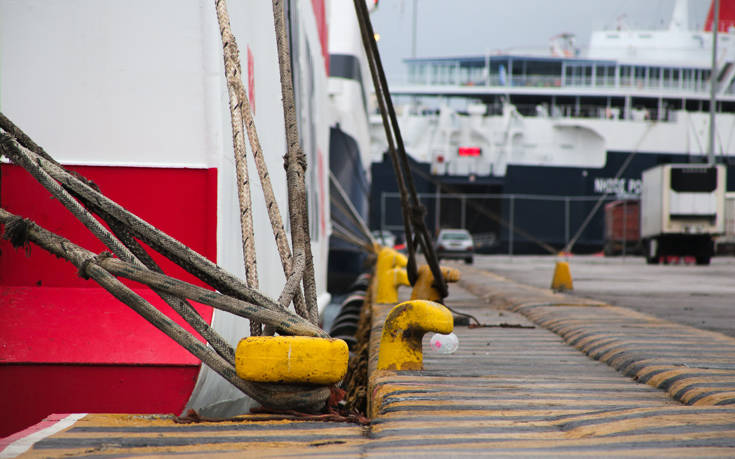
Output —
(725, 244)
(682, 210)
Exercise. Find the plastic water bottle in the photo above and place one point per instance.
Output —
(444, 344)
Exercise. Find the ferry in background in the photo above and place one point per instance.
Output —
(559, 124)
(349, 143)
(132, 95)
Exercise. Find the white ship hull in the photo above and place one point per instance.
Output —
(133, 93)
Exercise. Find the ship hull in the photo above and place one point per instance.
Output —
(144, 115)
(546, 205)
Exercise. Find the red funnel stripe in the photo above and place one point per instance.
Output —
(727, 16)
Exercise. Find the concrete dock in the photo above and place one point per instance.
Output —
(589, 379)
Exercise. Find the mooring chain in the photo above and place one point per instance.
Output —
(413, 212)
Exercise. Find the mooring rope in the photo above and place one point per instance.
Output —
(271, 204)
(342, 200)
(411, 268)
(171, 248)
(134, 262)
(23, 158)
(90, 265)
(487, 212)
(338, 230)
(413, 211)
(234, 89)
(295, 162)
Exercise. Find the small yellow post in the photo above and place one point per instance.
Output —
(562, 277)
(390, 273)
(405, 326)
(424, 287)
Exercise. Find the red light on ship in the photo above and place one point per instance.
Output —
(469, 151)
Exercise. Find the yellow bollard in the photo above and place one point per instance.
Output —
(562, 277)
(389, 275)
(424, 287)
(291, 359)
(405, 326)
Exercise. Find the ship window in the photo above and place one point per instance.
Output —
(640, 76)
(687, 78)
(579, 75)
(605, 75)
(644, 35)
(435, 74)
(613, 35)
(625, 75)
(654, 77)
(419, 73)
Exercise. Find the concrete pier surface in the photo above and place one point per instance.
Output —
(546, 375)
(699, 296)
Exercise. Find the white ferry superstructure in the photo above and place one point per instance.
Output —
(564, 123)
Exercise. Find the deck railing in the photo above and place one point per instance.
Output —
(689, 80)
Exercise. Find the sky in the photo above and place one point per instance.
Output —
(460, 27)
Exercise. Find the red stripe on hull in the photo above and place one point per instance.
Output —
(40, 390)
(181, 202)
(84, 326)
(320, 13)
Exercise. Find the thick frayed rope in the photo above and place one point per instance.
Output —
(83, 268)
(17, 231)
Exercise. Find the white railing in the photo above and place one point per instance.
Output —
(555, 81)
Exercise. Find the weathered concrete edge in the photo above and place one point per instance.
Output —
(377, 389)
(698, 385)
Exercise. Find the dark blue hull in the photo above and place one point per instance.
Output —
(545, 205)
(346, 261)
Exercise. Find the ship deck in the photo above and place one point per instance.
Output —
(588, 379)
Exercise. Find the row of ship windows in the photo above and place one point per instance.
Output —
(567, 75)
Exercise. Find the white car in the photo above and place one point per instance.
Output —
(456, 244)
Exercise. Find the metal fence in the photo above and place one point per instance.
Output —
(510, 223)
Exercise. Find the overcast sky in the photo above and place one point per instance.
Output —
(456, 27)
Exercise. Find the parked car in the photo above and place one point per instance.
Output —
(384, 238)
(455, 244)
